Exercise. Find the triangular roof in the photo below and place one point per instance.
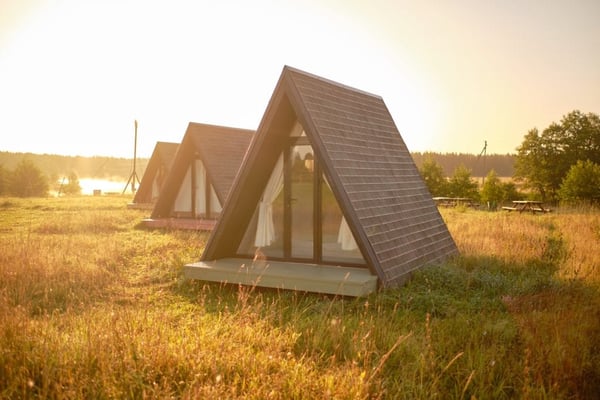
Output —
(388, 208)
(221, 150)
(162, 158)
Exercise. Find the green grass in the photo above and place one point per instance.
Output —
(93, 306)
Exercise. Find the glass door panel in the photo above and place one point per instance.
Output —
(265, 233)
(302, 201)
(338, 242)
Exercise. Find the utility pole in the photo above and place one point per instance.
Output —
(133, 177)
(483, 153)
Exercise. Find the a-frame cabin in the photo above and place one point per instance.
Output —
(155, 175)
(201, 176)
(328, 198)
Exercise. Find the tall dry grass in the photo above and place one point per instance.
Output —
(558, 317)
(92, 306)
(580, 229)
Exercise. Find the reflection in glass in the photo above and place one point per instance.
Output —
(292, 185)
(301, 202)
(338, 242)
(265, 231)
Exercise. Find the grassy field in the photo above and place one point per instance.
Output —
(92, 306)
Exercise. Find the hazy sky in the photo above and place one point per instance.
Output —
(75, 74)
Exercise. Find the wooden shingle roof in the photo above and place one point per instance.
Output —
(387, 205)
(221, 150)
(166, 152)
(376, 178)
(162, 157)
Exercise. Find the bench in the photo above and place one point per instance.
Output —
(543, 210)
(527, 205)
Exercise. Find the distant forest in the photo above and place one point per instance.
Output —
(121, 168)
(53, 165)
(503, 164)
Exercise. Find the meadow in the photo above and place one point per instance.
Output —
(94, 306)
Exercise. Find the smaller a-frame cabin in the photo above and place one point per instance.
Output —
(201, 176)
(328, 198)
(155, 174)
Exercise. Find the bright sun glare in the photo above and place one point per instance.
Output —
(76, 74)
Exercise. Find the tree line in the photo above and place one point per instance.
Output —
(562, 163)
(58, 166)
(33, 175)
(479, 164)
(27, 180)
(109, 167)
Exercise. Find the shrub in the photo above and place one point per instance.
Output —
(461, 184)
(72, 186)
(582, 182)
(492, 192)
(3, 180)
(27, 180)
(433, 175)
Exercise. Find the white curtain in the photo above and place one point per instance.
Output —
(183, 202)
(155, 189)
(215, 204)
(157, 183)
(200, 188)
(265, 230)
(345, 237)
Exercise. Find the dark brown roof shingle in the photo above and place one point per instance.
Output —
(161, 158)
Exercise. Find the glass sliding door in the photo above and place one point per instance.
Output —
(298, 217)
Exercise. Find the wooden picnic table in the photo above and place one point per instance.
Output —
(527, 205)
(454, 201)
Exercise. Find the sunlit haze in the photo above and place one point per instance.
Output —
(75, 74)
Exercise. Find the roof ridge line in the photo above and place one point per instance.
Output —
(203, 124)
(294, 70)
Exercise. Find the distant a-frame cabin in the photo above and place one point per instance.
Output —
(155, 175)
(328, 198)
(201, 176)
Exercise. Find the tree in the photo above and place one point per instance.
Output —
(537, 162)
(433, 175)
(461, 184)
(495, 192)
(492, 192)
(582, 136)
(510, 192)
(582, 182)
(72, 186)
(27, 180)
(3, 180)
(544, 159)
